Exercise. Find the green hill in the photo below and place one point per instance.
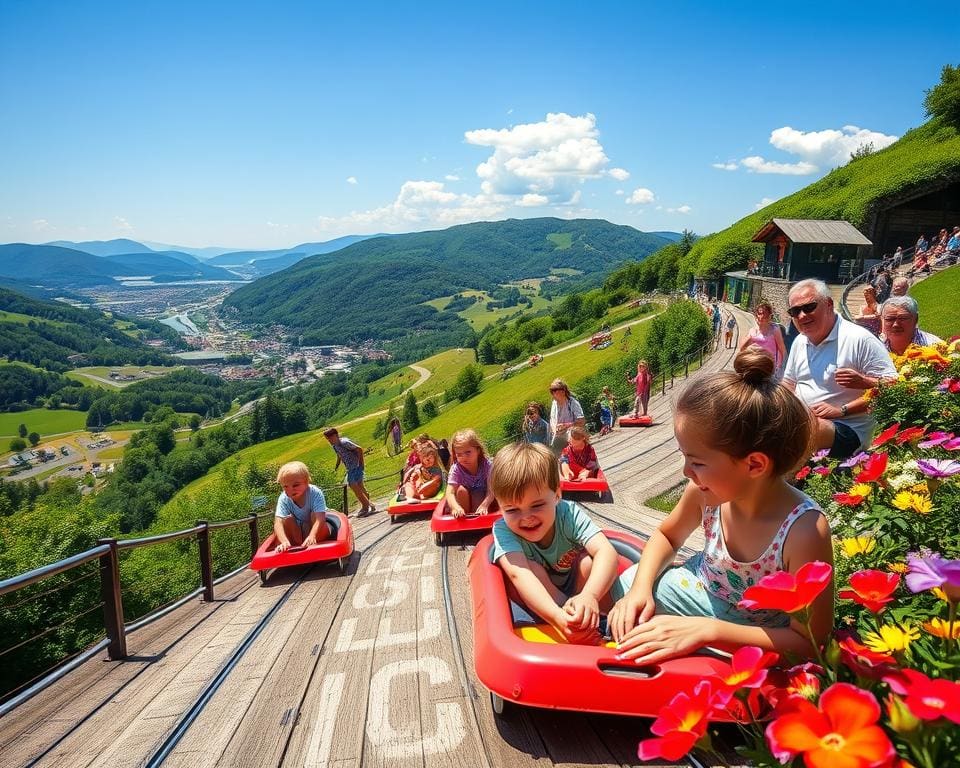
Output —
(854, 192)
(329, 299)
(48, 334)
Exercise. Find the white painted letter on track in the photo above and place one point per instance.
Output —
(399, 743)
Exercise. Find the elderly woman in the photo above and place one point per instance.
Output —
(565, 412)
(899, 319)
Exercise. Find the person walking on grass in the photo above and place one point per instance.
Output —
(351, 455)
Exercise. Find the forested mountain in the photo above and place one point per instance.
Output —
(104, 247)
(47, 334)
(169, 265)
(375, 288)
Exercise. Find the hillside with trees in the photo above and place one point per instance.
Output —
(329, 299)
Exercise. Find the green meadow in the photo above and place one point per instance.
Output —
(43, 421)
(936, 315)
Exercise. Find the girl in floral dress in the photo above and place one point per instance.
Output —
(740, 434)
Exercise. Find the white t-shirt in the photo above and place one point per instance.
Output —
(813, 368)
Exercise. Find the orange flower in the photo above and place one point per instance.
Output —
(682, 723)
(843, 731)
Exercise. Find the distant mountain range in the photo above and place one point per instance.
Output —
(328, 298)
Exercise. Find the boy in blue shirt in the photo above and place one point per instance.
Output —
(557, 561)
(351, 455)
(301, 516)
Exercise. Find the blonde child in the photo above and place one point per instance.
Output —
(426, 478)
(739, 432)
(468, 487)
(642, 381)
(557, 562)
(300, 518)
(578, 460)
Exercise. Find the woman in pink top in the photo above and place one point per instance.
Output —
(642, 381)
(767, 336)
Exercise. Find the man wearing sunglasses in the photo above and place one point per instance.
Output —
(831, 366)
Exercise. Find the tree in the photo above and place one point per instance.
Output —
(195, 422)
(411, 414)
(430, 410)
(34, 438)
(22, 430)
(943, 100)
(17, 444)
(467, 383)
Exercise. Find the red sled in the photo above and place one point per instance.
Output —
(396, 507)
(596, 485)
(339, 548)
(531, 665)
(442, 522)
(636, 421)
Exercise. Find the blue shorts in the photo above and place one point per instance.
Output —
(846, 442)
(355, 476)
(681, 591)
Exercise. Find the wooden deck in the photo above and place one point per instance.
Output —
(370, 668)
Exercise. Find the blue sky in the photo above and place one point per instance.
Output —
(257, 125)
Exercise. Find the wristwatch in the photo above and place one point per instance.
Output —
(843, 410)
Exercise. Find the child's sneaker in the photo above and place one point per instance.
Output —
(372, 508)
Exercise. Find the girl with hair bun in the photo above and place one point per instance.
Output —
(740, 433)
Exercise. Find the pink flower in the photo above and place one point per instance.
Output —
(857, 458)
(952, 445)
(939, 468)
(950, 385)
(934, 439)
(748, 668)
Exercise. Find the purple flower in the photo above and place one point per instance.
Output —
(938, 468)
(823, 453)
(952, 445)
(935, 438)
(931, 571)
(858, 458)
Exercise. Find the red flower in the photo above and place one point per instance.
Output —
(682, 723)
(885, 436)
(865, 662)
(925, 698)
(822, 470)
(849, 499)
(842, 732)
(876, 465)
(788, 592)
(871, 589)
(798, 683)
(748, 668)
(803, 472)
(910, 433)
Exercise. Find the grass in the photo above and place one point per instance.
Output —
(480, 317)
(483, 412)
(84, 375)
(42, 420)
(666, 501)
(562, 240)
(936, 315)
(16, 317)
(565, 271)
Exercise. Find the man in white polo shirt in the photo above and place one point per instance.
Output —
(831, 365)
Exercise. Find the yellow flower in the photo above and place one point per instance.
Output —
(937, 592)
(941, 628)
(891, 639)
(898, 567)
(903, 500)
(918, 502)
(858, 545)
(861, 489)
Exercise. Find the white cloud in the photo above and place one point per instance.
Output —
(684, 209)
(731, 166)
(452, 177)
(42, 225)
(274, 225)
(122, 224)
(546, 158)
(764, 203)
(419, 203)
(619, 192)
(756, 164)
(619, 174)
(351, 179)
(641, 196)
(531, 200)
(817, 150)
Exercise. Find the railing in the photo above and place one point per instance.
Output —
(107, 554)
(780, 270)
(891, 263)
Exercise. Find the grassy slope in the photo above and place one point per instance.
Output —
(936, 315)
(16, 317)
(925, 154)
(42, 421)
(480, 317)
(77, 374)
(483, 412)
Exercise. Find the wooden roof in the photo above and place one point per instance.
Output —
(813, 231)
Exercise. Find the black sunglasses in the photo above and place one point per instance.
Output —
(807, 309)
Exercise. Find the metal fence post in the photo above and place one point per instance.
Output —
(254, 535)
(206, 564)
(663, 383)
(686, 367)
(112, 601)
(343, 507)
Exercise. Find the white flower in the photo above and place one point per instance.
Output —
(903, 480)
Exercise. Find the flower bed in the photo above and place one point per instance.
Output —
(884, 691)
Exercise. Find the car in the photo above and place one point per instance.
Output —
(528, 664)
(442, 522)
(337, 549)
